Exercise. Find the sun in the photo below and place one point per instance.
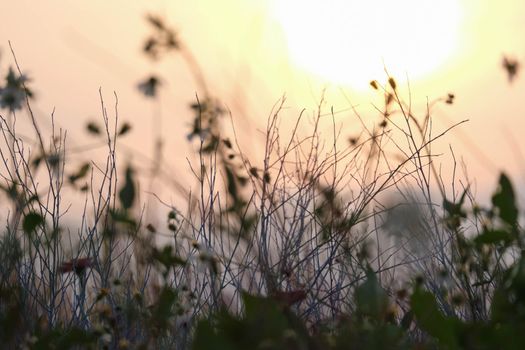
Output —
(351, 42)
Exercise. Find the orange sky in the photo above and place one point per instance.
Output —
(72, 48)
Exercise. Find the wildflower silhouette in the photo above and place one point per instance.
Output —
(511, 66)
(150, 86)
(14, 92)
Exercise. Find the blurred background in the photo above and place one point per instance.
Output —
(254, 52)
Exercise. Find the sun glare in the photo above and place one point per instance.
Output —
(350, 42)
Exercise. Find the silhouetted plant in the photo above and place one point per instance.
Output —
(291, 252)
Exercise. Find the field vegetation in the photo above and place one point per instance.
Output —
(302, 249)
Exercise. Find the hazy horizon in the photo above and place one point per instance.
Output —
(72, 49)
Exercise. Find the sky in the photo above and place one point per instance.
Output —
(254, 52)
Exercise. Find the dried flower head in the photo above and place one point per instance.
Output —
(14, 93)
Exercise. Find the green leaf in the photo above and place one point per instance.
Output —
(123, 218)
(167, 257)
(493, 237)
(81, 172)
(431, 320)
(504, 200)
(156, 21)
(371, 298)
(206, 338)
(31, 222)
(232, 186)
(93, 128)
(36, 162)
(263, 318)
(227, 143)
(127, 192)
(455, 212)
(163, 310)
(124, 129)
